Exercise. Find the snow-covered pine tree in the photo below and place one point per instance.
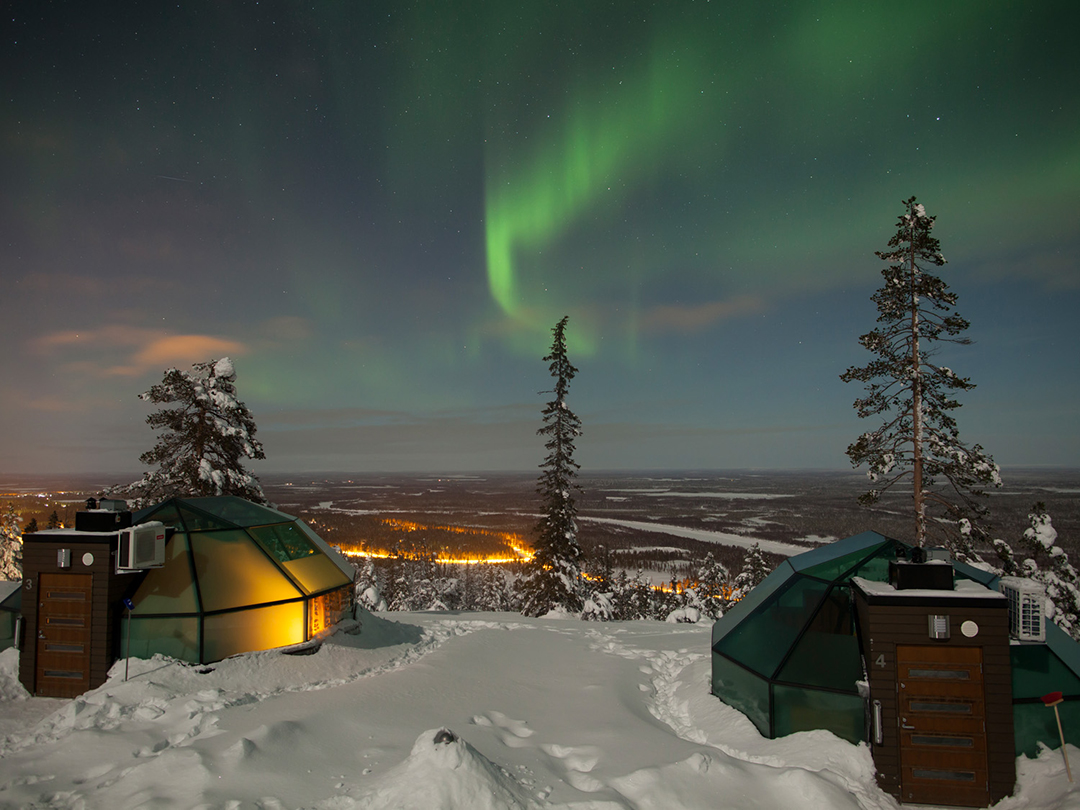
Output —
(598, 585)
(712, 586)
(10, 544)
(632, 599)
(754, 570)
(206, 437)
(367, 586)
(1049, 564)
(397, 579)
(54, 521)
(552, 579)
(493, 592)
(919, 439)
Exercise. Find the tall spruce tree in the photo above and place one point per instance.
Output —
(553, 578)
(206, 437)
(919, 439)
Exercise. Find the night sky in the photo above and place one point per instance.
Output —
(380, 209)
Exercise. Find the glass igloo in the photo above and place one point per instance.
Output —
(238, 577)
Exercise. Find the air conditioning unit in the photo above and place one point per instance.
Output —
(141, 547)
(1027, 608)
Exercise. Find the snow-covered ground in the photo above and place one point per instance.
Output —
(704, 535)
(542, 713)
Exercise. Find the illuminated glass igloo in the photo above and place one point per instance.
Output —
(238, 577)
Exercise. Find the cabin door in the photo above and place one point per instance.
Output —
(942, 711)
(63, 636)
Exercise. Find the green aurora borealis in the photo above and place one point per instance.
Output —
(381, 209)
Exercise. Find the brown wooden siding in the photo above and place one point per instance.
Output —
(883, 626)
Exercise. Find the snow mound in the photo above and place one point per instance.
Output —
(443, 772)
(10, 688)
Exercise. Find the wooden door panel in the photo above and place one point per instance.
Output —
(942, 710)
(63, 638)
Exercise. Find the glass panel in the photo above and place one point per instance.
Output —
(1036, 671)
(283, 541)
(798, 709)
(860, 545)
(253, 630)
(238, 512)
(946, 742)
(7, 629)
(745, 606)
(825, 659)
(942, 708)
(951, 776)
(835, 568)
(941, 674)
(317, 573)
(52, 646)
(168, 589)
(13, 601)
(316, 541)
(166, 513)
(176, 637)
(64, 622)
(876, 569)
(1064, 647)
(334, 554)
(197, 520)
(233, 572)
(741, 690)
(1034, 723)
(763, 639)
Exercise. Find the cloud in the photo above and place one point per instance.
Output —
(697, 317)
(128, 351)
(180, 349)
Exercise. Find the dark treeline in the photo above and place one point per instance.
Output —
(413, 579)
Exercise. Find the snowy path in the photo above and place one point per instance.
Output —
(544, 715)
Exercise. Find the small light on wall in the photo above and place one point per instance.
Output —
(938, 626)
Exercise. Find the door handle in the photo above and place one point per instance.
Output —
(906, 726)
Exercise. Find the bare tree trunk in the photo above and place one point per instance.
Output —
(916, 404)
